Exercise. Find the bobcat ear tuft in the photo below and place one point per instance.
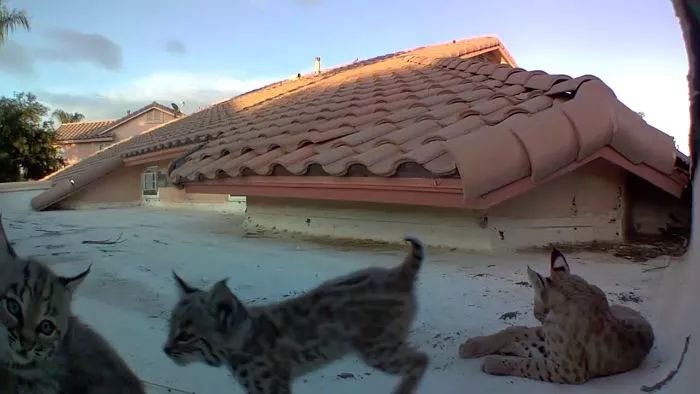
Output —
(5, 246)
(71, 283)
(182, 285)
(558, 262)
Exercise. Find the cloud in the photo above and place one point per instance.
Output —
(197, 91)
(175, 47)
(73, 46)
(16, 59)
(67, 46)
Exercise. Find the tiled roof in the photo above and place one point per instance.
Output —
(423, 115)
(82, 130)
(91, 130)
(212, 122)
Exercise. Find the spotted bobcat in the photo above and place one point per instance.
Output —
(368, 312)
(49, 351)
(581, 336)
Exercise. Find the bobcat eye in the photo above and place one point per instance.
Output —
(46, 327)
(13, 307)
(183, 337)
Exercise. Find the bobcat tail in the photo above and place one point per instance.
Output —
(413, 261)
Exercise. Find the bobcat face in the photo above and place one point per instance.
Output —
(34, 306)
(201, 324)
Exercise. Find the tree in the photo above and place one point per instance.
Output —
(26, 141)
(11, 20)
(67, 117)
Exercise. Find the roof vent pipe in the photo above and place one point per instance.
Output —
(317, 65)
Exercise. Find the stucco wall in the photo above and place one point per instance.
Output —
(138, 125)
(120, 188)
(76, 152)
(583, 206)
(123, 187)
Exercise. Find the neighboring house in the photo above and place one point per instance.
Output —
(452, 142)
(81, 139)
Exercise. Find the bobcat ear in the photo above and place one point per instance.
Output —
(182, 286)
(558, 262)
(6, 250)
(220, 291)
(226, 307)
(536, 280)
(71, 283)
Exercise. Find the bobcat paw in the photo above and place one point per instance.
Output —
(495, 365)
(473, 348)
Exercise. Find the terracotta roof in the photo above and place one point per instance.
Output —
(92, 130)
(423, 115)
(214, 121)
(82, 130)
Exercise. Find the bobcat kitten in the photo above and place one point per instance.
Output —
(581, 336)
(266, 347)
(49, 349)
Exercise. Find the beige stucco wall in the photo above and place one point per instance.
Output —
(123, 187)
(76, 152)
(119, 188)
(138, 125)
(583, 206)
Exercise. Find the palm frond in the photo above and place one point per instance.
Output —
(11, 21)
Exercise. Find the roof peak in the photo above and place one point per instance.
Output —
(89, 121)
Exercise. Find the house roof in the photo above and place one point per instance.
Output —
(188, 131)
(428, 114)
(82, 130)
(93, 130)
(452, 119)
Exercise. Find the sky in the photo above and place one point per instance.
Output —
(102, 58)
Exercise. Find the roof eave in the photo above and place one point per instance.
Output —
(437, 192)
(85, 140)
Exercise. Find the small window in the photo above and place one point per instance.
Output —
(101, 146)
(154, 117)
(61, 152)
(150, 182)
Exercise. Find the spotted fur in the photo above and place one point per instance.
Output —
(48, 349)
(368, 312)
(581, 337)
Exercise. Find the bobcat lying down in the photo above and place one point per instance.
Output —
(368, 312)
(581, 336)
(48, 349)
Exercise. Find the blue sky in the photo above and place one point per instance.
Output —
(104, 57)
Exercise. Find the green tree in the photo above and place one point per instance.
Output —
(26, 140)
(11, 20)
(67, 117)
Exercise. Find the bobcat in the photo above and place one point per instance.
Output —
(369, 312)
(581, 336)
(49, 349)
